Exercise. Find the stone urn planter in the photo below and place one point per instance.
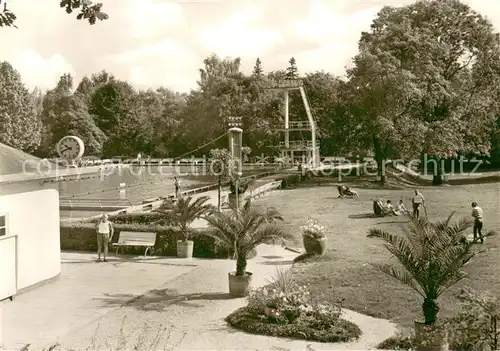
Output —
(430, 337)
(185, 248)
(314, 246)
(239, 285)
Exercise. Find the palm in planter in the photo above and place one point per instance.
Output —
(182, 214)
(432, 256)
(242, 231)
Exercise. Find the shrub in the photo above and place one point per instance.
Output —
(291, 181)
(477, 324)
(399, 342)
(138, 218)
(285, 309)
(82, 237)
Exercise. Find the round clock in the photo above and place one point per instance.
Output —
(70, 148)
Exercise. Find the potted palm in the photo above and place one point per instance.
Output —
(242, 231)
(182, 214)
(431, 257)
(314, 237)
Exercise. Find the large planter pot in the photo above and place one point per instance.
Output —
(314, 246)
(430, 337)
(239, 285)
(185, 248)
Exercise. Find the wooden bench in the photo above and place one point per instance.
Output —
(146, 239)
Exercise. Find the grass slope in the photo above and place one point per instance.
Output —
(345, 271)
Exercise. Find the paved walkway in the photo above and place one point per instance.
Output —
(98, 305)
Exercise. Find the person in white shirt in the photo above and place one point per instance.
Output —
(401, 209)
(417, 201)
(105, 232)
(477, 214)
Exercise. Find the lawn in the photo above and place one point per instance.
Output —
(345, 271)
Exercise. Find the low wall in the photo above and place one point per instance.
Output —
(34, 218)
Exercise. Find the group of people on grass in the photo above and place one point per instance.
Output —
(418, 202)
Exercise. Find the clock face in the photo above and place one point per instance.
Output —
(70, 148)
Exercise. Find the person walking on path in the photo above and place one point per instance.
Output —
(105, 232)
(417, 201)
(177, 187)
(477, 214)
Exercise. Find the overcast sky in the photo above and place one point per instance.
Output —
(155, 43)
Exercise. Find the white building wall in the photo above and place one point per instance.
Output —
(34, 218)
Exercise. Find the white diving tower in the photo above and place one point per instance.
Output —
(304, 150)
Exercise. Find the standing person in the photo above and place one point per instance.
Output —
(417, 201)
(177, 187)
(105, 232)
(477, 214)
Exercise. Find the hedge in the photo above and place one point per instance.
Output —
(82, 237)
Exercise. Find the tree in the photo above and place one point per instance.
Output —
(243, 230)
(76, 120)
(431, 257)
(220, 95)
(20, 125)
(424, 69)
(245, 153)
(164, 109)
(221, 165)
(292, 71)
(257, 69)
(88, 11)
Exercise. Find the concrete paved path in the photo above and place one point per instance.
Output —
(119, 304)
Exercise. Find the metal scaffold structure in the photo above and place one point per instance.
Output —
(304, 150)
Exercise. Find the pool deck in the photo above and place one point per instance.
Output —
(98, 305)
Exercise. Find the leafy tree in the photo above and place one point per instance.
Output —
(243, 230)
(222, 165)
(245, 153)
(431, 257)
(88, 11)
(76, 120)
(165, 115)
(20, 125)
(65, 113)
(107, 103)
(426, 69)
(221, 94)
(292, 71)
(257, 69)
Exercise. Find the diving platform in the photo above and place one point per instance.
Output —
(306, 149)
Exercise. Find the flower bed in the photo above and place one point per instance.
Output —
(288, 311)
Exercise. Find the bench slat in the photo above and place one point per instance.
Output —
(136, 238)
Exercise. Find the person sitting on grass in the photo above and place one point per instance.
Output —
(349, 192)
(401, 209)
(389, 208)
